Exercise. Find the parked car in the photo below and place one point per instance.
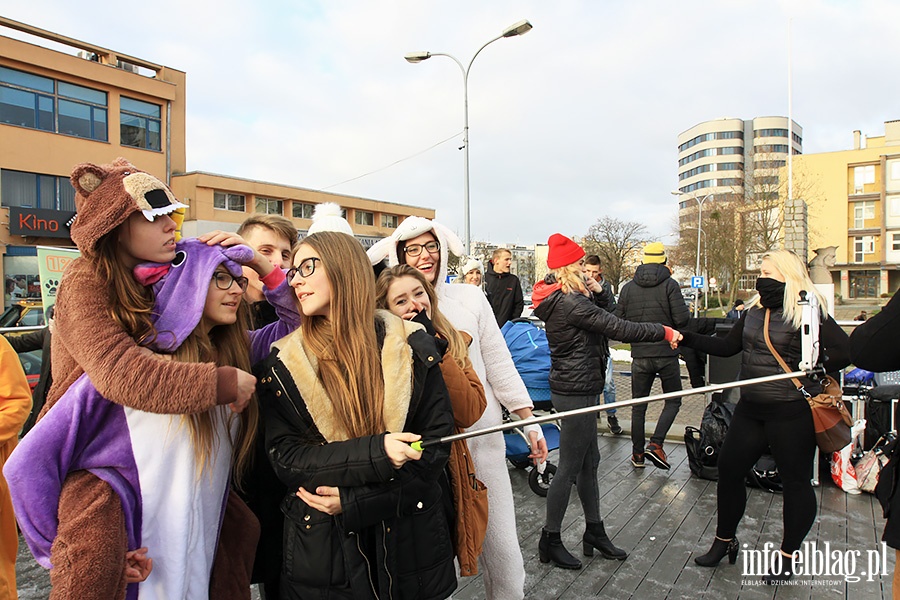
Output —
(24, 313)
(31, 362)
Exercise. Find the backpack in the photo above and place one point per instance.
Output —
(530, 352)
(703, 444)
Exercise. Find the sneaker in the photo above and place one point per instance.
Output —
(637, 461)
(614, 427)
(656, 455)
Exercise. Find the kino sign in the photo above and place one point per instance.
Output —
(39, 222)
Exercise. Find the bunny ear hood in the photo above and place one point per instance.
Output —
(180, 287)
(410, 228)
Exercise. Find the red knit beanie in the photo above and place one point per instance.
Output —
(563, 251)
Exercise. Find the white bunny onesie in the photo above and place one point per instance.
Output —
(468, 310)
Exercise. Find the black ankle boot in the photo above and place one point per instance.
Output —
(718, 551)
(595, 537)
(783, 576)
(551, 548)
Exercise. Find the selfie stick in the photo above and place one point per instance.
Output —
(809, 337)
(601, 407)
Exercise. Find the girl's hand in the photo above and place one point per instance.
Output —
(137, 566)
(260, 263)
(326, 499)
(397, 447)
(246, 385)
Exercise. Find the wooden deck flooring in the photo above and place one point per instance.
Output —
(664, 519)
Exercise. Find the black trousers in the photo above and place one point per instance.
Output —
(787, 428)
(643, 372)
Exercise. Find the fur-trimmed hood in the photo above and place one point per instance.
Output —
(396, 365)
(410, 228)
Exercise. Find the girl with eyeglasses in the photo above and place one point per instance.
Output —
(425, 245)
(124, 217)
(171, 473)
(342, 399)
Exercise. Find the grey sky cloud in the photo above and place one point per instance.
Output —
(571, 122)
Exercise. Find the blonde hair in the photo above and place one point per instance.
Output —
(457, 347)
(345, 344)
(570, 278)
(796, 279)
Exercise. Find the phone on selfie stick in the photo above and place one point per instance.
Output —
(809, 330)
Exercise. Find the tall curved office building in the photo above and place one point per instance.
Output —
(731, 159)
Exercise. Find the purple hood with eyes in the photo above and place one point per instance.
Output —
(181, 286)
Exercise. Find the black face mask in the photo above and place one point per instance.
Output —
(771, 292)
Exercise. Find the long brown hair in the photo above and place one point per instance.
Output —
(225, 345)
(345, 343)
(131, 306)
(457, 348)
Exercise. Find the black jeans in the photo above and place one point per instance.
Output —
(643, 372)
(787, 428)
(579, 458)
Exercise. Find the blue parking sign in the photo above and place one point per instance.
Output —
(697, 282)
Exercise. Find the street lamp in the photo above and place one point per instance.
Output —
(700, 202)
(520, 28)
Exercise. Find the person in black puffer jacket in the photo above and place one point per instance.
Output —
(873, 346)
(772, 415)
(575, 327)
(653, 297)
(343, 397)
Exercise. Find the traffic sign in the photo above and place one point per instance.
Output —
(697, 282)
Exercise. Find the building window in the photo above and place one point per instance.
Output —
(771, 148)
(42, 103)
(708, 137)
(301, 210)
(769, 164)
(226, 201)
(894, 203)
(269, 206)
(861, 212)
(364, 217)
(770, 133)
(895, 170)
(32, 190)
(862, 176)
(390, 221)
(861, 246)
(140, 124)
(895, 241)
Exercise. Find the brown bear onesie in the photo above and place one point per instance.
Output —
(88, 554)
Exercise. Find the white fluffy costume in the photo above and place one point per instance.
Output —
(468, 310)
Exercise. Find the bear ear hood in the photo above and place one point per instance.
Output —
(106, 195)
(410, 228)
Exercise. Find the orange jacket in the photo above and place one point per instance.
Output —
(469, 494)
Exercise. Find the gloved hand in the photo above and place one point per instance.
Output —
(422, 319)
(535, 428)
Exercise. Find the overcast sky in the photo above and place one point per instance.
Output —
(571, 122)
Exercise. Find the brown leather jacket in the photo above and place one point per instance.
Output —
(469, 494)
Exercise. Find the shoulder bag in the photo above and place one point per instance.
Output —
(830, 417)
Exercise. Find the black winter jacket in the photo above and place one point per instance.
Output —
(392, 539)
(653, 297)
(504, 294)
(757, 361)
(575, 331)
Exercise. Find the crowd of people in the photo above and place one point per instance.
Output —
(246, 407)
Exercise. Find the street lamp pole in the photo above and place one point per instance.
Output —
(520, 28)
(700, 202)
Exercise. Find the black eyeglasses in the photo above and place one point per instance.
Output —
(416, 249)
(306, 268)
(224, 281)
